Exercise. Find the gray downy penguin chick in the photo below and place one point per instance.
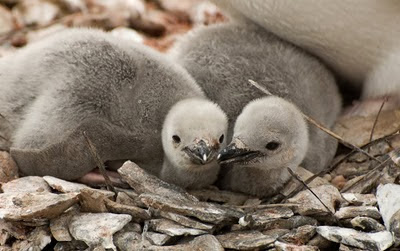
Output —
(222, 58)
(356, 40)
(88, 81)
(270, 135)
(191, 143)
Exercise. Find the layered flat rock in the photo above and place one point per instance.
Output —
(272, 213)
(185, 221)
(308, 204)
(294, 184)
(368, 241)
(172, 228)
(300, 235)
(279, 223)
(27, 184)
(281, 246)
(29, 206)
(138, 214)
(97, 229)
(59, 225)
(208, 212)
(245, 240)
(388, 197)
(129, 198)
(358, 199)
(366, 224)
(354, 211)
(130, 238)
(263, 217)
(157, 238)
(37, 239)
(142, 182)
(64, 186)
(9, 230)
(92, 201)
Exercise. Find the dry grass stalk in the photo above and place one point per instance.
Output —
(376, 119)
(99, 162)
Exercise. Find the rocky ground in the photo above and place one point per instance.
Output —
(355, 205)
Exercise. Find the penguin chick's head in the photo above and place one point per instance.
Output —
(193, 133)
(270, 133)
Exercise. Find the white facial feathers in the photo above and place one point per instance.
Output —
(274, 127)
(193, 122)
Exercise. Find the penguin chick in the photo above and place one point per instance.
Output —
(270, 135)
(191, 143)
(222, 58)
(117, 92)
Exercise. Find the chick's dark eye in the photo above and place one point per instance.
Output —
(176, 139)
(273, 145)
(221, 139)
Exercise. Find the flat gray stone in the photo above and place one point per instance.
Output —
(208, 212)
(389, 205)
(300, 235)
(97, 229)
(157, 238)
(358, 199)
(263, 217)
(28, 184)
(368, 241)
(245, 240)
(388, 197)
(354, 211)
(186, 221)
(367, 224)
(37, 239)
(34, 206)
(64, 186)
(130, 237)
(308, 204)
(59, 225)
(280, 246)
(138, 214)
(280, 223)
(172, 228)
(143, 182)
(294, 184)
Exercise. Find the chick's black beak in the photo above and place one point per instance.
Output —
(200, 153)
(234, 153)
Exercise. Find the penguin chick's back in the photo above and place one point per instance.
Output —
(53, 86)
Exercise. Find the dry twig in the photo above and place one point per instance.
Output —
(335, 165)
(3, 138)
(316, 196)
(376, 119)
(100, 163)
(368, 175)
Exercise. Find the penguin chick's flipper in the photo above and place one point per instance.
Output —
(71, 158)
